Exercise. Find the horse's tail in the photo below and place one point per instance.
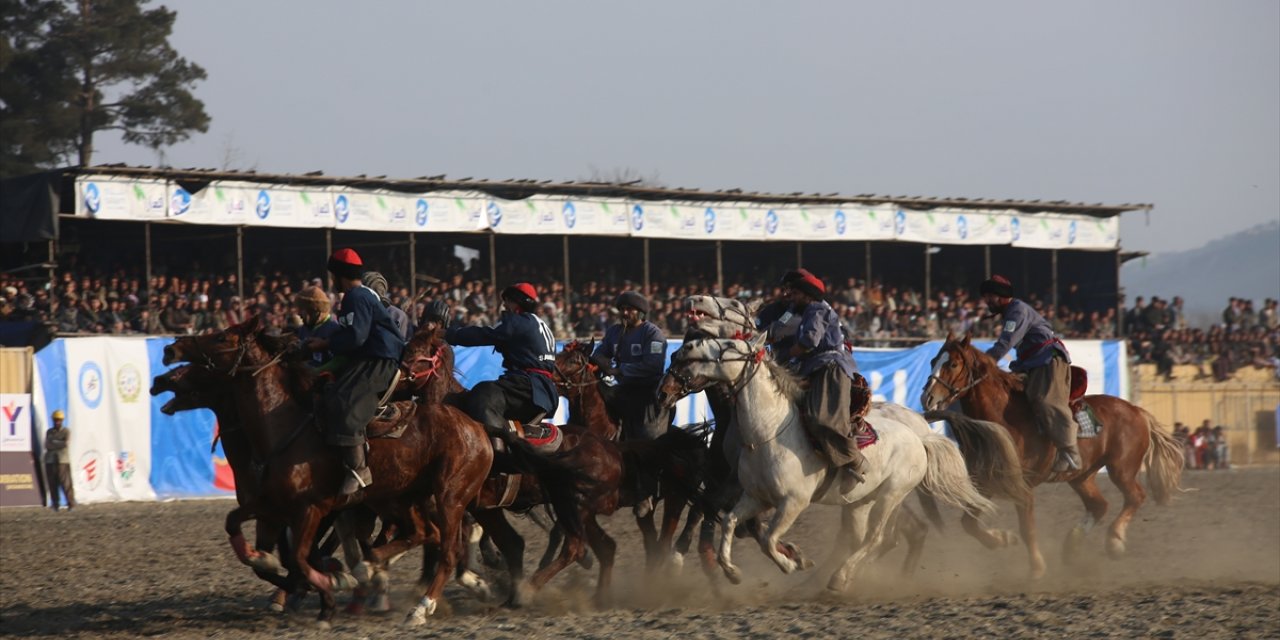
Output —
(1164, 461)
(561, 483)
(990, 455)
(946, 479)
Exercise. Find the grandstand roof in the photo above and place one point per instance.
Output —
(515, 189)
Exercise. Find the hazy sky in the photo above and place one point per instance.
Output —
(1171, 102)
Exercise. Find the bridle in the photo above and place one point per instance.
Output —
(585, 376)
(419, 379)
(752, 358)
(695, 315)
(955, 393)
(235, 369)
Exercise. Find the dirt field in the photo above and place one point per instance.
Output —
(1207, 566)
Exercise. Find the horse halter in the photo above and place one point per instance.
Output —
(419, 379)
(954, 393)
(695, 315)
(752, 358)
(585, 375)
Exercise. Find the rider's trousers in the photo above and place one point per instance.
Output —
(1048, 390)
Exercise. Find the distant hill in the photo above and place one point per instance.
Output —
(1242, 265)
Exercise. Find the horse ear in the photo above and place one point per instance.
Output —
(967, 337)
(254, 324)
(757, 342)
(951, 336)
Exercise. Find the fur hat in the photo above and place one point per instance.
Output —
(998, 285)
(375, 281)
(346, 263)
(631, 299)
(312, 299)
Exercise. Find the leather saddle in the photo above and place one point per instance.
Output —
(543, 436)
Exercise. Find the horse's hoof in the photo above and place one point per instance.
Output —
(324, 625)
(381, 603)
(293, 603)
(275, 607)
(733, 575)
(362, 572)
(1115, 547)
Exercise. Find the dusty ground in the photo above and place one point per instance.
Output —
(1207, 566)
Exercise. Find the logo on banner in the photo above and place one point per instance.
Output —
(126, 465)
(962, 227)
(156, 204)
(570, 213)
(637, 217)
(180, 202)
(90, 384)
(90, 467)
(92, 197)
(263, 208)
(900, 223)
(420, 216)
(398, 214)
(342, 208)
(15, 429)
(709, 220)
(1071, 233)
(841, 222)
(1015, 228)
(129, 383)
(494, 212)
(771, 222)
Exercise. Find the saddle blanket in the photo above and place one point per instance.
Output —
(866, 436)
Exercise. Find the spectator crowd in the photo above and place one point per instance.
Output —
(874, 313)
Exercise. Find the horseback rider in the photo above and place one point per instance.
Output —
(313, 306)
(816, 352)
(371, 346)
(525, 391)
(399, 318)
(634, 351)
(1043, 360)
(639, 349)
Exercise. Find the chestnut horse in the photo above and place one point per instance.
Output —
(1130, 437)
(425, 478)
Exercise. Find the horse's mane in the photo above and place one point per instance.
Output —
(986, 365)
(789, 384)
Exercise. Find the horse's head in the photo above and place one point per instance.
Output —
(718, 317)
(954, 373)
(704, 362)
(193, 387)
(428, 358)
(574, 370)
(223, 351)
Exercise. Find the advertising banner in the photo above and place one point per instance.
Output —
(953, 226)
(106, 198)
(18, 485)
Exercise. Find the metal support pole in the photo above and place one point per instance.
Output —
(867, 283)
(799, 254)
(493, 265)
(1120, 328)
(146, 235)
(1054, 294)
(646, 266)
(240, 263)
(328, 251)
(986, 261)
(567, 283)
(53, 259)
(719, 267)
(413, 267)
(928, 272)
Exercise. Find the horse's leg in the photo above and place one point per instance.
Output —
(605, 549)
(784, 515)
(673, 503)
(1027, 525)
(747, 507)
(649, 533)
(303, 529)
(908, 526)
(1126, 481)
(472, 565)
(451, 508)
(990, 538)
(572, 549)
(692, 523)
(1095, 506)
(853, 526)
(878, 515)
(554, 540)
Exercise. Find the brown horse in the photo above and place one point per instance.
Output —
(1130, 437)
(426, 478)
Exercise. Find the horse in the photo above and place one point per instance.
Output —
(426, 478)
(1130, 437)
(778, 467)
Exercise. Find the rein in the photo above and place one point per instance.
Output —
(955, 393)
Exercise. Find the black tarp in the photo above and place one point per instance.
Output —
(29, 207)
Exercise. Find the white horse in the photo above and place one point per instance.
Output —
(778, 468)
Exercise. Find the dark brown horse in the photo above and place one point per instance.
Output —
(426, 478)
(1130, 437)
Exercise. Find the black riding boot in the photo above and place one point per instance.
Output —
(358, 475)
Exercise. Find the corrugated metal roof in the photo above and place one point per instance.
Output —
(516, 189)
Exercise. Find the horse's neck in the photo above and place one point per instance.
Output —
(988, 399)
(762, 410)
(587, 408)
(267, 411)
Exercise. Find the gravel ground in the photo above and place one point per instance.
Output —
(1206, 566)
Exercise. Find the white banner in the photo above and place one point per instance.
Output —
(596, 217)
(229, 203)
(1098, 234)
(15, 422)
(657, 220)
(120, 199)
(286, 206)
(109, 415)
(953, 226)
(828, 223)
(1057, 231)
(734, 221)
(440, 211)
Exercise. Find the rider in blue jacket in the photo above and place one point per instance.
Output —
(634, 351)
(525, 391)
(370, 347)
(1043, 359)
(817, 353)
